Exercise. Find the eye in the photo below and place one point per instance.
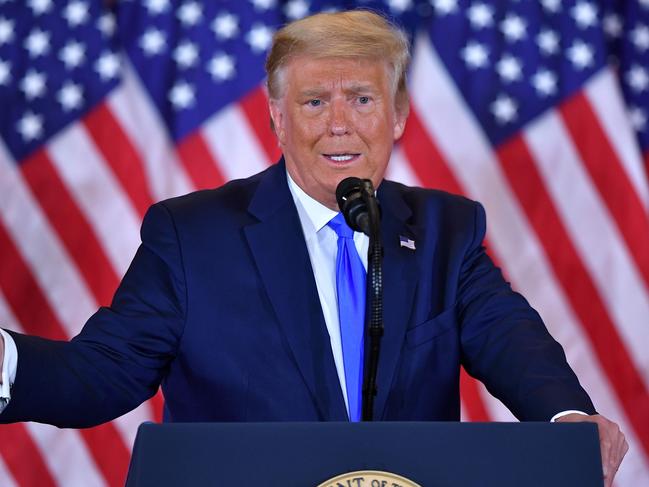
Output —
(315, 102)
(363, 100)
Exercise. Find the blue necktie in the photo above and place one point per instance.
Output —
(350, 288)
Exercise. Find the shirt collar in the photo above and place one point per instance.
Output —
(313, 214)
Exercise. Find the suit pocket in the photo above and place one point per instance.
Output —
(432, 328)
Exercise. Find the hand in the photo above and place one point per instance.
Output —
(612, 443)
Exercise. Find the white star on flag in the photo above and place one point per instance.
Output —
(548, 42)
(107, 66)
(225, 26)
(444, 7)
(30, 126)
(637, 78)
(70, 96)
(612, 25)
(259, 38)
(640, 37)
(399, 6)
(72, 54)
(186, 54)
(638, 118)
(6, 31)
(33, 84)
(296, 9)
(106, 24)
(37, 43)
(545, 82)
(480, 15)
(182, 95)
(475, 55)
(514, 28)
(5, 73)
(153, 42)
(190, 14)
(263, 4)
(580, 54)
(39, 7)
(76, 13)
(221, 67)
(156, 7)
(504, 109)
(585, 14)
(509, 68)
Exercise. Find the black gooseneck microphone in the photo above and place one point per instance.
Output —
(360, 208)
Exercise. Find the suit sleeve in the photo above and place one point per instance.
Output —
(121, 355)
(506, 345)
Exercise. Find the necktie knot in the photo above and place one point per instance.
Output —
(339, 225)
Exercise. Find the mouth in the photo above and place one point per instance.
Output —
(342, 157)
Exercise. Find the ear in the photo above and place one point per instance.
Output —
(399, 123)
(277, 116)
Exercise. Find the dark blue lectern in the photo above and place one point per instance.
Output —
(308, 454)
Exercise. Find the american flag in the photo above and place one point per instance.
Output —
(538, 109)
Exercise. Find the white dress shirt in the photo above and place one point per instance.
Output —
(9, 366)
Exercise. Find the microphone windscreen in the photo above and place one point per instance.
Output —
(346, 187)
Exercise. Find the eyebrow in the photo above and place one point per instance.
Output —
(355, 88)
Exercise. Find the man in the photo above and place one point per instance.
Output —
(231, 301)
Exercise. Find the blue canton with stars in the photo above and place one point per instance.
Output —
(511, 60)
(57, 60)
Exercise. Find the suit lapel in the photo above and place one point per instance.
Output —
(399, 284)
(281, 255)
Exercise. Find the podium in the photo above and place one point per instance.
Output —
(311, 454)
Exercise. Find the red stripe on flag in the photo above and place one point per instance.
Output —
(199, 162)
(425, 158)
(255, 106)
(119, 152)
(35, 315)
(525, 180)
(472, 398)
(604, 167)
(23, 458)
(71, 225)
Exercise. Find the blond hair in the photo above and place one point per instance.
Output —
(354, 34)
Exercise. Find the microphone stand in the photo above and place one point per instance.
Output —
(375, 290)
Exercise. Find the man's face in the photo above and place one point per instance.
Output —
(336, 119)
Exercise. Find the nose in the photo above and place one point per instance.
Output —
(338, 118)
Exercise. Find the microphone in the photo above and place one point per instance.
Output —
(362, 213)
(352, 196)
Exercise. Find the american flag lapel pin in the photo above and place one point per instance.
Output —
(406, 242)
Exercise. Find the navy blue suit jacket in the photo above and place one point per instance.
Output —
(220, 307)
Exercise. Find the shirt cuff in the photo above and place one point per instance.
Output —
(9, 366)
(565, 413)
